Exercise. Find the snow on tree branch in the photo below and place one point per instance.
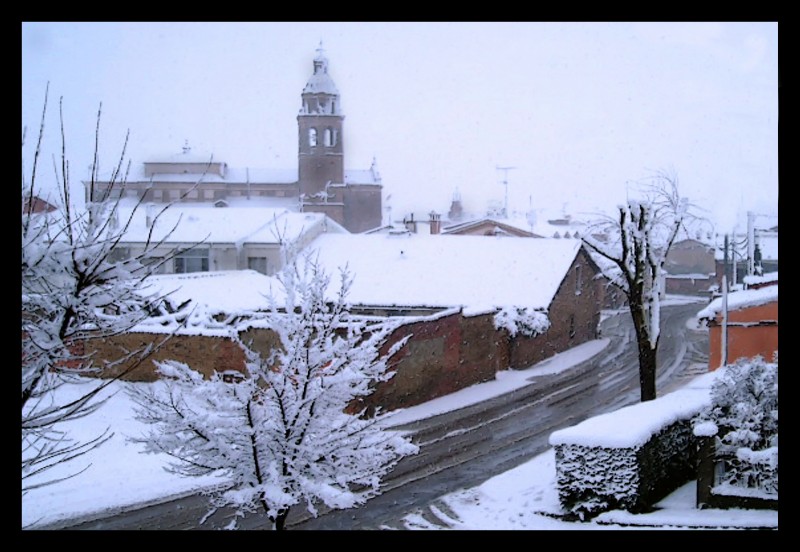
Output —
(76, 287)
(744, 408)
(525, 321)
(287, 434)
(632, 249)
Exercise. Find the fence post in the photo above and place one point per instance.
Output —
(706, 462)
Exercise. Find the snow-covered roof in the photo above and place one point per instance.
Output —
(500, 227)
(762, 279)
(361, 176)
(477, 272)
(532, 222)
(224, 291)
(232, 175)
(198, 221)
(320, 82)
(740, 300)
(185, 156)
(244, 175)
(641, 421)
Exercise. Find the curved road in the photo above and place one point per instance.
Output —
(464, 448)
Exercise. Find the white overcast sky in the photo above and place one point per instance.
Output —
(579, 109)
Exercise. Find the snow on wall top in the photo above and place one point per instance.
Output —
(477, 272)
(221, 225)
(632, 426)
(763, 279)
(740, 300)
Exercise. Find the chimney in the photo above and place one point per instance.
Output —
(410, 224)
(436, 223)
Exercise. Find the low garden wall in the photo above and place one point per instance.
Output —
(628, 459)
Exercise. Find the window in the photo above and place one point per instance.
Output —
(232, 376)
(118, 254)
(330, 137)
(577, 279)
(195, 260)
(571, 326)
(259, 264)
(156, 263)
(312, 137)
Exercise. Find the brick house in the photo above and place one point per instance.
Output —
(690, 268)
(751, 327)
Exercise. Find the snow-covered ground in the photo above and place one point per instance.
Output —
(119, 476)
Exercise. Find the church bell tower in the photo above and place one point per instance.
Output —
(321, 155)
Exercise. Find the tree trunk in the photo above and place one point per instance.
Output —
(280, 519)
(647, 354)
(647, 368)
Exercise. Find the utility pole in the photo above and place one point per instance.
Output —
(751, 243)
(724, 340)
(505, 183)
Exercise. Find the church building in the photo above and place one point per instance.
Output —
(319, 184)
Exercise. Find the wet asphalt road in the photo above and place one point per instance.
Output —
(464, 448)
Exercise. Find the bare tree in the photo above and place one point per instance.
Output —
(76, 287)
(291, 432)
(636, 243)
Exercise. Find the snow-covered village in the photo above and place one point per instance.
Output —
(399, 276)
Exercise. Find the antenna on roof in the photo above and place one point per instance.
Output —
(505, 183)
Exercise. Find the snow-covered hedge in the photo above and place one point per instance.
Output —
(592, 480)
(630, 458)
(744, 413)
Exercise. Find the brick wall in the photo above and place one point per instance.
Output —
(204, 354)
(444, 354)
(689, 286)
(574, 317)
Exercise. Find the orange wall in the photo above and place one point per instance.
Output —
(745, 341)
(753, 314)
